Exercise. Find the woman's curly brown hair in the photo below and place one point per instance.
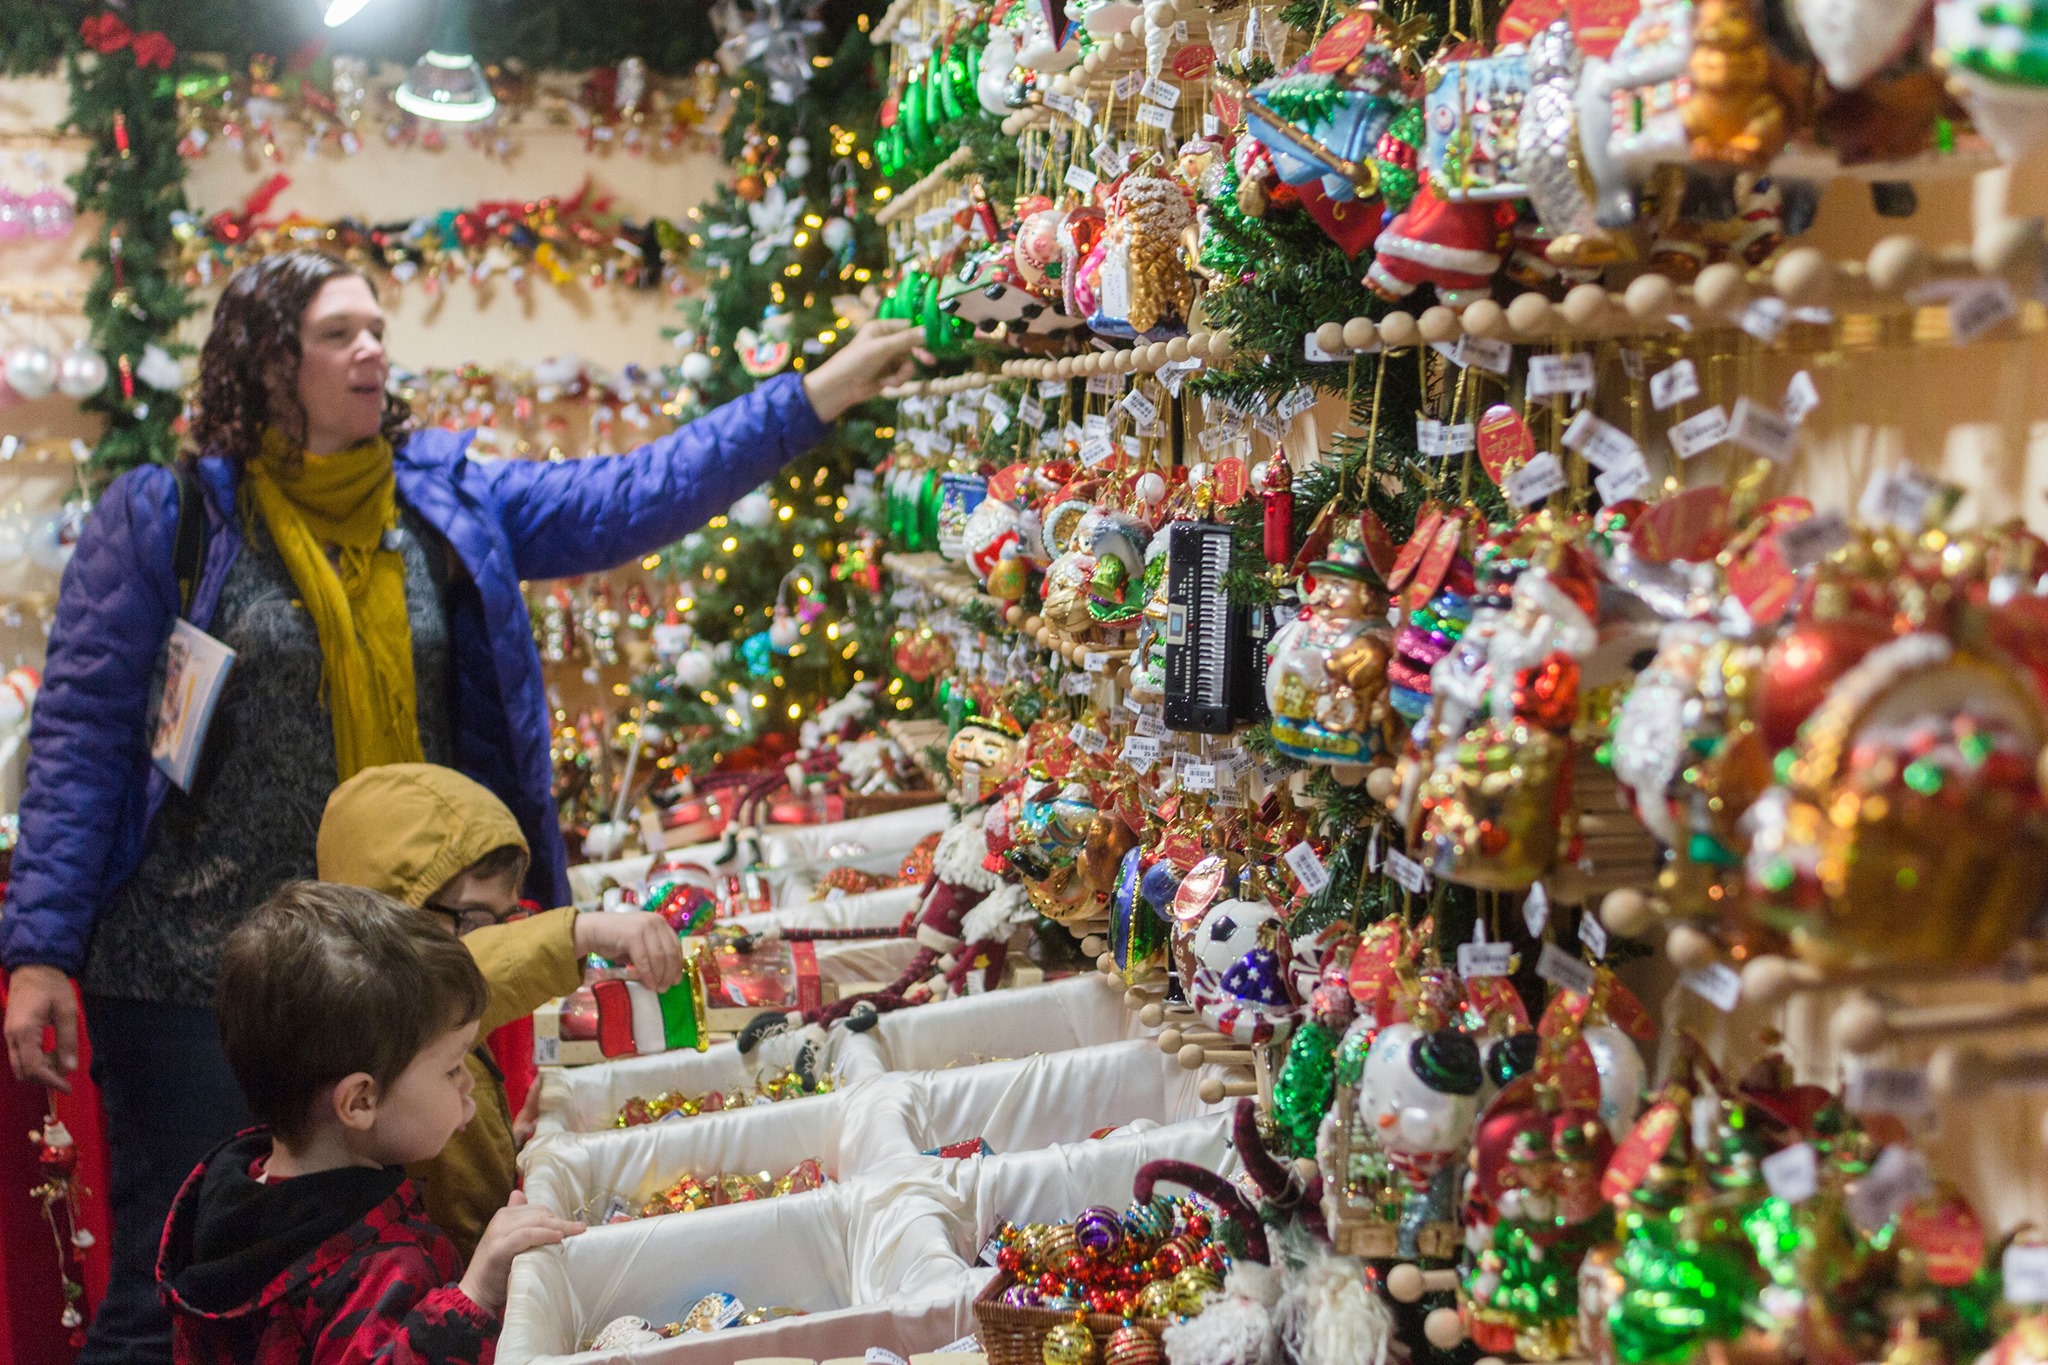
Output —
(248, 370)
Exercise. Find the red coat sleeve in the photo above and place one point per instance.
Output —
(397, 1311)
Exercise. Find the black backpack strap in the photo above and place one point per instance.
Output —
(188, 548)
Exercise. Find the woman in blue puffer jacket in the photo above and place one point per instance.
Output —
(367, 576)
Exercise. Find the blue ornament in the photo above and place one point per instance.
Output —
(758, 655)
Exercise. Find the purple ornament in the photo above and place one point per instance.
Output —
(1020, 1296)
(1098, 1230)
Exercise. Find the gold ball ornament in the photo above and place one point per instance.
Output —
(1193, 1285)
(1008, 580)
(750, 187)
(1068, 1343)
(1156, 1300)
(1131, 1344)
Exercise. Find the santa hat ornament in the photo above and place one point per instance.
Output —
(1456, 246)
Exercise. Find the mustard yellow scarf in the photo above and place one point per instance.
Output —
(342, 505)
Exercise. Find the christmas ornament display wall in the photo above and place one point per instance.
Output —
(1502, 486)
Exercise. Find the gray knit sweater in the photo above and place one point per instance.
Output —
(250, 823)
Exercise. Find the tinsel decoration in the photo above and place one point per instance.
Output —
(1301, 1092)
(58, 1191)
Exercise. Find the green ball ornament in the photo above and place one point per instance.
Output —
(1302, 1091)
(1068, 1343)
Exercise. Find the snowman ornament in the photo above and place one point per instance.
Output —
(1419, 1098)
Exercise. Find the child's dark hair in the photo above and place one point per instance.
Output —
(324, 981)
(506, 863)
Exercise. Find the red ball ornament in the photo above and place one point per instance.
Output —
(1169, 1260)
(1198, 1224)
(1131, 1344)
(1803, 665)
(1050, 1285)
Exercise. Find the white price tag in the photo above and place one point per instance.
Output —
(1549, 374)
(1081, 178)
(1901, 498)
(1592, 933)
(1296, 403)
(1486, 353)
(1429, 436)
(1534, 481)
(1095, 661)
(1307, 867)
(1602, 443)
(1765, 318)
(1459, 437)
(1126, 86)
(1412, 876)
(1076, 685)
(1198, 777)
(1674, 384)
(1141, 408)
(1536, 910)
(1793, 1173)
(547, 1051)
(1052, 388)
(1897, 1178)
(1031, 412)
(1812, 540)
(2025, 1272)
(1632, 363)
(1094, 424)
(1095, 450)
(1699, 433)
(1763, 431)
(1900, 1090)
(1623, 481)
(1978, 308)
(1140, 753)
(1719, 984)
(1564, 971)
(1211, 125)
(1161, 92)
(1089, 739)
(1058, 103)
(1312, 351)
(1155, 116)
(1485, 959)
(1107, 385)
(1801, 398)
(1151, 726)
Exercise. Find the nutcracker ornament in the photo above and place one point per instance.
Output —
(1326, 671)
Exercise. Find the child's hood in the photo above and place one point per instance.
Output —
(407, 829)
(235, 1245)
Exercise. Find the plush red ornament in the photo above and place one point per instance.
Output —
(1456, 246)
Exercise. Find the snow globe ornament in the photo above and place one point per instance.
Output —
(1326, 672)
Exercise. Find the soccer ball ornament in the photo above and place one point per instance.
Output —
(1242, 982)
(1420, 1095)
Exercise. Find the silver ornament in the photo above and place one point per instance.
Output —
(31, 370)
(82, 372)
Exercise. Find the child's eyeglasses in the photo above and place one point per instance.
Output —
(469, 921)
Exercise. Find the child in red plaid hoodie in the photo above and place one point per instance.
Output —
(346, 1016)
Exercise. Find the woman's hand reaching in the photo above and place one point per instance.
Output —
(877, 356)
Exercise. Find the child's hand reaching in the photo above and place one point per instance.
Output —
(517, 1227)
(636, 937)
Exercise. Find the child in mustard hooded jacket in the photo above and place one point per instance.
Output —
(432, 838)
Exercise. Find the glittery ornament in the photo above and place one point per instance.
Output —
(1302, 1090)
(1191, 1286)
(1156, 1300)
(1098, 1231)
(1131, 1344)
(1068, 1343)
